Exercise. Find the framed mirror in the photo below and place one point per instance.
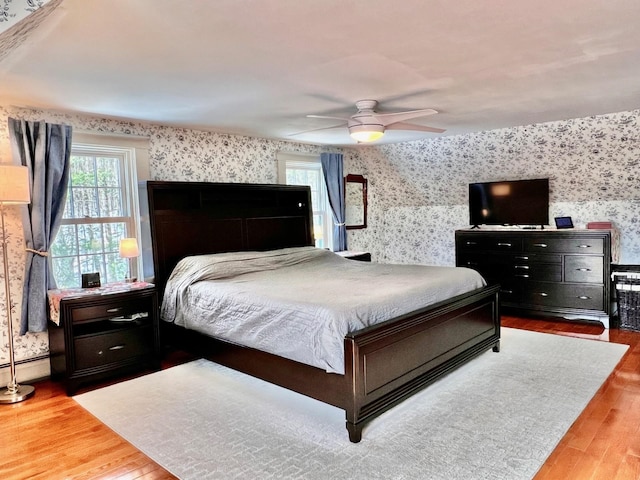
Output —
(355, 201)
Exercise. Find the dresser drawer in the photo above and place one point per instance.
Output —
(102, 310)
(535, 271)
(587, 297)
(103, 349)
(564, 245)
(583, 269)
(494, 243)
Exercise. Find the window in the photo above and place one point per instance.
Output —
(300, 169)
(101, 208)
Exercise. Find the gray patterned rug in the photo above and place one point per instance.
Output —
(498, 417)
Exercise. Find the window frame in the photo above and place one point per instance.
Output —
(132, 154)
(301, 161)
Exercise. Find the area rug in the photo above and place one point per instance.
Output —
(498, 417)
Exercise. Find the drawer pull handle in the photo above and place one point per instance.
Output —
(541, 245)
(522, 275)
(543, 294)
(472, 263)
(116, 347)
(506, 291)
(522, 258)
(504, 244)
(583, 269)
(114, 310)
(584, 297)
(584, 246)
(522, 267)
(471, 243)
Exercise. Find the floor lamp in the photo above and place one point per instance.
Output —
(14, 190)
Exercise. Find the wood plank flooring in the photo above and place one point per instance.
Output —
(51, 437)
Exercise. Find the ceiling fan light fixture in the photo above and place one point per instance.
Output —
(366, 133)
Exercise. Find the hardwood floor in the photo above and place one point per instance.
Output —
(604, 442)
(51, 437)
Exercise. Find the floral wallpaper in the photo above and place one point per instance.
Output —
(418, 190)
(174, 154)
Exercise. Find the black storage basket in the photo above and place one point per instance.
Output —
(628, 294)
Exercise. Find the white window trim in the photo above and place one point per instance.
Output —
(135, 152)
(305, 159)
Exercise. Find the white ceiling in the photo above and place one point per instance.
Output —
(258, 68)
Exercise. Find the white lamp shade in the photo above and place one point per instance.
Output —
(14, 184)
(129, 248)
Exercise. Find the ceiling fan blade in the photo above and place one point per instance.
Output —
(411, 126)
(344, 119)
(317, 129)
(389, 118)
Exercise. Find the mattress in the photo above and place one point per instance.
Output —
(300, 303)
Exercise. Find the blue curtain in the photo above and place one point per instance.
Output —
(334, 179)
(45, 149)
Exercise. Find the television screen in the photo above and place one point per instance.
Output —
(517, 202)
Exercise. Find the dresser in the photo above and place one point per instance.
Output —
(558, 273)
(100, 333)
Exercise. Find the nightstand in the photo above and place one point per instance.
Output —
(99, 333)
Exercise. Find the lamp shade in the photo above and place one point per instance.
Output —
(129, 248)
(14, 184)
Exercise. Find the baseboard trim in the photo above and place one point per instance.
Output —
(27, 370)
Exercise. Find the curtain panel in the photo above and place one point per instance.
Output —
(46, 150)
(332, 168)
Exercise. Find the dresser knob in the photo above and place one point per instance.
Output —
(540, 245)
(543, 294)
(584, 297)
(584, 246)
(583, 269)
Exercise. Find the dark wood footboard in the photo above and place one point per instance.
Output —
(389, 362)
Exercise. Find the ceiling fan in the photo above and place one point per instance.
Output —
(367, 125)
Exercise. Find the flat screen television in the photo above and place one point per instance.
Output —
(514, 202)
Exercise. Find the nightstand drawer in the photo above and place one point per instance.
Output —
(103, 349)
(111, 309)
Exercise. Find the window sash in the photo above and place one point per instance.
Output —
(105, 258)
(322, 214)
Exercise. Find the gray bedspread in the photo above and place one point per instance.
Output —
(300, 303)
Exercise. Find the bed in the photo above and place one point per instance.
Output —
(380, 364)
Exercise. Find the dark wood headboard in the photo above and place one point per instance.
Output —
(194, 218)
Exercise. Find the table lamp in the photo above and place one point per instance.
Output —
(129, 249)
(14, 190)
